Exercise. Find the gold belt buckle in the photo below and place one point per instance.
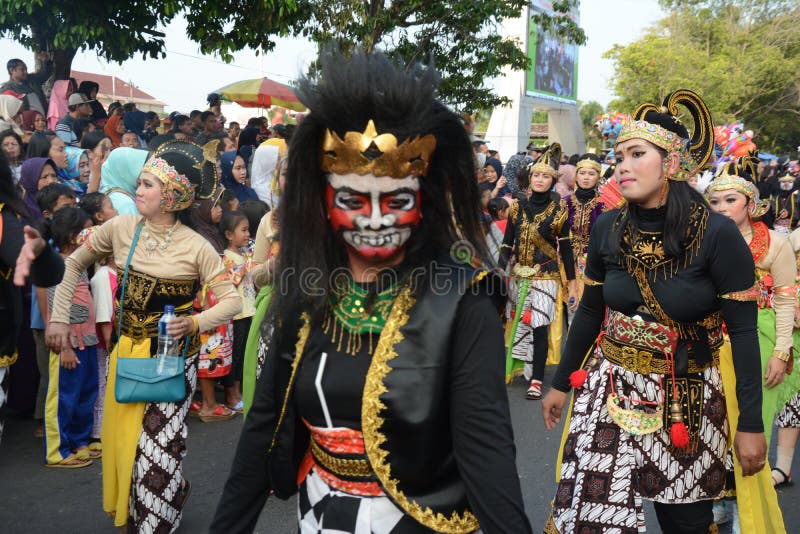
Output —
(630, 358)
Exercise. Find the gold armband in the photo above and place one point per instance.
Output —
(785, 290)
(747, 295)
(782, 355)
(196, 324)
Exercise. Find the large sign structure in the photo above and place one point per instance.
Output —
(551, 85)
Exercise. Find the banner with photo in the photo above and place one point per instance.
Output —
(554, 62)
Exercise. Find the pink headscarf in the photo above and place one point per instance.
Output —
(58, 103)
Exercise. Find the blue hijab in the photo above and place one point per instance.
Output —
(243, 191)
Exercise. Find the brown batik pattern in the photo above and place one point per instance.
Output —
(606, 472)
(789, 416)
(156, 501)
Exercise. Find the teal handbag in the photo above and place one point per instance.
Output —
(137, 379)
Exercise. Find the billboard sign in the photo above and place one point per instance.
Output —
(554, 62)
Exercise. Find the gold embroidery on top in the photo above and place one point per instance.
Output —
(372, 423)
(302, 337)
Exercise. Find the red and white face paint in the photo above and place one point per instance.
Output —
(374, 216)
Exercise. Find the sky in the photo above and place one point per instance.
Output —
(185, 76)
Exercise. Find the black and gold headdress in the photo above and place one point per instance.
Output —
(197, 163)
(661, 127)
(548, 162)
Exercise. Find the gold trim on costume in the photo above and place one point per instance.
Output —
(647, 362)
(302, 337)
(369, 152)
(590, 282)
(372, 422)
(342, 467)
(747, 295)
(8, 360)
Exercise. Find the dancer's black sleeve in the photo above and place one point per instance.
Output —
(482, 434)
(247, 487)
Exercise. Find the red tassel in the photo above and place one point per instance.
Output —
(526, 317)
(679, 435)
(577, 378)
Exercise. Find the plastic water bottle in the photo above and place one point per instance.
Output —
(167, 345)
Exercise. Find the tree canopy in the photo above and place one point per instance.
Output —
(463, 37)
(741, 56)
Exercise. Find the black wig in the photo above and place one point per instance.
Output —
(343, 96)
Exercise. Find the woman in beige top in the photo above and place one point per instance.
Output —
(144, 443)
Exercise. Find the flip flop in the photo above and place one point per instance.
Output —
(194, 409)
(71, 462)
(90, 452)
(786, 480)
(238, 407)
(221, 413)
(534, 391)
(186, 490)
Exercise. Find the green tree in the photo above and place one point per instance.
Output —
(120, 29)
(742, 56)
(589, 111)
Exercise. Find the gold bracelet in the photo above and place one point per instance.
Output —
(782, 355)
(196, 325)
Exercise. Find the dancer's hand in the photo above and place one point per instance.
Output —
(776, 370)
(32, 247)
(552, 406)
(751, 451)
(58, 337)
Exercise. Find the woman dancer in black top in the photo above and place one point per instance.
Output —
(649, 416)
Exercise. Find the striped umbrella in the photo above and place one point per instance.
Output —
(260, 93)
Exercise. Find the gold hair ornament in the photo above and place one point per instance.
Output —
(545, 162)
(369, 152)
(171, 182)
(693, 153)
(731, 177)
(588, 163)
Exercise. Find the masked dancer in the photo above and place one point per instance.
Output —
(383, 382)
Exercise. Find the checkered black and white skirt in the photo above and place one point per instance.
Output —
(322, 509)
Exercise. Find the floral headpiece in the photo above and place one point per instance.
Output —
(737, 175)
(177, 192)
(694, 152)
(369, 152)
(588, 163)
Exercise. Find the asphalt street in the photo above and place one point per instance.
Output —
(36, 499)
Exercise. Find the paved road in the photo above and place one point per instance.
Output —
(40, 500)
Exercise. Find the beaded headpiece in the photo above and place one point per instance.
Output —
(369, 152)
(738, 175)
(588, 163)
(177, 192)
(693, 152)
(548, 162)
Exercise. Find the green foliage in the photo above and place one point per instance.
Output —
(462, 36)
(742, 56)
(589, 111)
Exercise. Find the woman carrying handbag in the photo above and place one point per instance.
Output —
(162, 262)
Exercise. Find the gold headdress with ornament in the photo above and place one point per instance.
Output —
(197, 163)
(738, 175)
(588, 163)
(548, 162)
(177, 192)
(694, 152)
(786, 178)
(369, 152)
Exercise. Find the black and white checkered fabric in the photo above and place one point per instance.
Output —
(324, 510)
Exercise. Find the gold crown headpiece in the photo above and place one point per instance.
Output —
(734, 175)
(369, 152)
(786, 178)
(171, 182)
(588, 163)
(693, 153)
(548, 162)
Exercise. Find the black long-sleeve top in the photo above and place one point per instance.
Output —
(553, 229)
(46, 270)
(480, 425)
(723, 264)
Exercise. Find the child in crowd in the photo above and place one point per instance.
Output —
(104, 287)
(72, 384)
(99, 207)
(235, 228)
(254, 210)
(228, 201)
(54, 197)
(49, 199)
(498, 209)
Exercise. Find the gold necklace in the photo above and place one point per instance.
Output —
(150, 243)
